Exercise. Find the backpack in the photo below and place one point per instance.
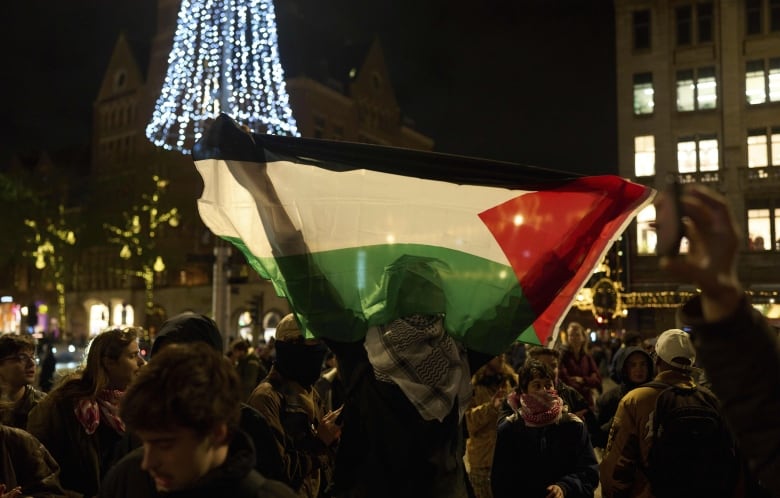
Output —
(692, 453)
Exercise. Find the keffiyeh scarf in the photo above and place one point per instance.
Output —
(89, 411)
(417, 355)
(539, 409)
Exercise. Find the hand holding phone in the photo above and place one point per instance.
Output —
(668, 218)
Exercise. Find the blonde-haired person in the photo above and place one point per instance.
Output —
(78, 422)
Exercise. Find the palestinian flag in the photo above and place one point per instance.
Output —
(356, 235)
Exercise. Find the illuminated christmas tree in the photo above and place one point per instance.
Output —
(225, 59)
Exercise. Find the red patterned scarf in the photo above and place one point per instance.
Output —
(89, 411)
(540, 409)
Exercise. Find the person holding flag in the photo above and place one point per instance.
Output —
(415, 268)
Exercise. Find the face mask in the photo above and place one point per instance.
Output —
(300, 362)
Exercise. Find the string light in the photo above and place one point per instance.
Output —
(224, 59)
(51, 239)
(138, 236)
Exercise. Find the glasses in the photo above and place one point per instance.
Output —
(21, 358)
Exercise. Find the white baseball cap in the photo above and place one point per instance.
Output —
(675, 343)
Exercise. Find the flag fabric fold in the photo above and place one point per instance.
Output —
(356, 235)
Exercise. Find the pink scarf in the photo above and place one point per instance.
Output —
(539, 409)
(88, 411)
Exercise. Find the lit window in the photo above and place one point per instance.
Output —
(643, 93)
(774, 80)
(686, 156)
(757, 149)
(98, 318)
(763, 225)
(763, 148)
(708, 154)
(645, 233)
(761, 85)
(685, 91)
(697, 90)
(706, 89)
(697, 154)
(775, 146)
(755, 87)
(644, 155)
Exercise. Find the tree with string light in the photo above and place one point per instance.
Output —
(224, 59)
(138, 234)
(52, 240)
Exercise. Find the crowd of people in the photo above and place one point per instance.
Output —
(410, 412)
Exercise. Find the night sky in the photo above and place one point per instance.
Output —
(529, 81)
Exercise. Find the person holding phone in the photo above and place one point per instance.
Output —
(731, 337)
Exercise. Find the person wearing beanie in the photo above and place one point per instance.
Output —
(299, 449)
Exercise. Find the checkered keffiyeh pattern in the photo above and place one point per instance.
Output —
(418, 355)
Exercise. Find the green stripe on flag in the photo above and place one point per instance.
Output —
(367, 286)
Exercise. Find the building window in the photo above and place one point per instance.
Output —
(697, 90)
(643, 93)
(697, 154)
(641, 21)
(646, 237)
(704, 22)
(774, 15)
(756, 16)
(763, 148)
(644, 155)
(645, 232)
(684, 18)
(762, 81)
(763, 224)
(753, 17)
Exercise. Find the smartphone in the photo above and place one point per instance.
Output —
(668, 218)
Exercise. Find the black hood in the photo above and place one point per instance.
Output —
(187, 328)
(622, 361)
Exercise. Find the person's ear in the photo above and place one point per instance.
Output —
(219, 435)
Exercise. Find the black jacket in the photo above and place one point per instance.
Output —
(387, 449)
(235, 478)
(528, 459)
